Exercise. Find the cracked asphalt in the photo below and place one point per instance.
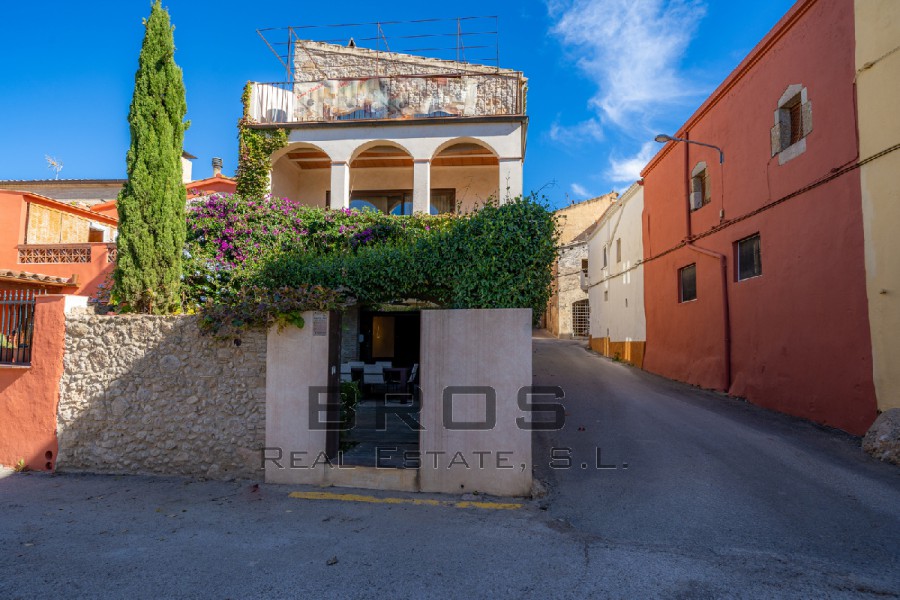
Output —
(719, 499)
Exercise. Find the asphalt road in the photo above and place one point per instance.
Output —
(719, 499)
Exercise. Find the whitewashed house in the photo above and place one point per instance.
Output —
(615, 280)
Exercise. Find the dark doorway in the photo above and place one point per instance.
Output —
(385, 430)
(390, 336)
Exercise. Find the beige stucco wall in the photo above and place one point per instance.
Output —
(308, 186)
(475, 348)
(473, 185)
(295, 360)
(574, 219)
(620, 318)
(878, 88)
(423, 141)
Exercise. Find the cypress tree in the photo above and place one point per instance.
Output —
(152, 225)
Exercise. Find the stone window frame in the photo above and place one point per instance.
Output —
(700, 192)
(783, 146)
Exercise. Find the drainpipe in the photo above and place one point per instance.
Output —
(687, 187)
(726, 311)
(723, 262)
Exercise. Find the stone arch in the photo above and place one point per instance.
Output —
(301, 171)
(375, 143)
(464, 140)
(465, 170)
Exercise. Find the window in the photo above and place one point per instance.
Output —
(700, 194)
(584, 266)
(606, 295)
(581, 318)
(619, 250)
(605, 257)
(749, 261)
(793, 122)
(687, 283)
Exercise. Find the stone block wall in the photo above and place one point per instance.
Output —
(481, 90)
(569, 286)
(148, 394)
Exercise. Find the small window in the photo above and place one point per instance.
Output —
(749, 260)
(619, 250)
(700, 193)
(793, 122)
(605, 257)
(584, 266)
(606, 295)
(687, 283)
(796, 117)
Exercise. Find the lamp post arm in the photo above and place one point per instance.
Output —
(721, 154)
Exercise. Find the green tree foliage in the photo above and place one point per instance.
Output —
(254, 153)
(151, 205)
(245, 264)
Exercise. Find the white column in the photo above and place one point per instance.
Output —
(340, 185)
(422, 185)
(510, 179)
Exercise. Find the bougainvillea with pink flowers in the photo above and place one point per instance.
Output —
(254, 262)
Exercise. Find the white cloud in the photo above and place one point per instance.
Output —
(590, 130)
(632, 50)
(628, 169)
(580, 191)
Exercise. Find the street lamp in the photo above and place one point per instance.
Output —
(662, 138)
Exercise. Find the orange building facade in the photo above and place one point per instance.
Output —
(48, 244)
(755, 278)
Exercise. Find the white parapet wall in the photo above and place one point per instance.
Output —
(480, 350)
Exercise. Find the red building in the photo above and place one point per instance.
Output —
(51, 246)
(754, 268)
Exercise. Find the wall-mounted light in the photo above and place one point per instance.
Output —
(662, 138)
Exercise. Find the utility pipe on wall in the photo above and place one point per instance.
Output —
(723, 262)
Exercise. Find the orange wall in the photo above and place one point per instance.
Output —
(13, 211)
(800, 338)
(29, 397)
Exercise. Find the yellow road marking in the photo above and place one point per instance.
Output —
(413, 501)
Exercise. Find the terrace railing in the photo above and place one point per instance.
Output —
(54, 253)
(16, 326)
(387, 98)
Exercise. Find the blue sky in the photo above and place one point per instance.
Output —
(604, 76)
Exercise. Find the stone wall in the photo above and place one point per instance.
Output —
(568, 286)
(350, 334)
(469, 90)
(147, 394)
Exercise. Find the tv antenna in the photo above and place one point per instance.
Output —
(54, 165)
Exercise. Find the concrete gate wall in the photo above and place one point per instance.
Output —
(488, 348)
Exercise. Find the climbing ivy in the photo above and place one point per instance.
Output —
(255, 148)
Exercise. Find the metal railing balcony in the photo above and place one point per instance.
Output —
(16, 326)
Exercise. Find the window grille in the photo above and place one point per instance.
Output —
(16, 326)
(581, 317)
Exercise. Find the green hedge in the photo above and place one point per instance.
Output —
(497, 257)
